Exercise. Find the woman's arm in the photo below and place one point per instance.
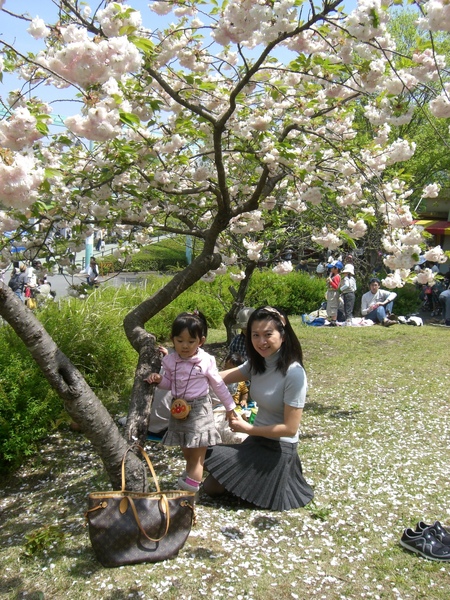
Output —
(289, 427)
(233, 375)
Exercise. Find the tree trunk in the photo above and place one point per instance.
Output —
(238, 301)
(80, 402)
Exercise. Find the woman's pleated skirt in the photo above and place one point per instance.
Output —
(265, 472)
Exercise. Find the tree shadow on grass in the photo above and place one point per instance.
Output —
(333, 411)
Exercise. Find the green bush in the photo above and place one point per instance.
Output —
(27, 404)
(94, 339)
(168, 255)
(408, 301)
(91, 334)
(296, 293)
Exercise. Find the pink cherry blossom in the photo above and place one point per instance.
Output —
(283, 268)
(38, 29)
(431, 190)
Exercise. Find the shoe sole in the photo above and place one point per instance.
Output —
(417, 551)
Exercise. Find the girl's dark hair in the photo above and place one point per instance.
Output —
(194, 322)
(290, 351)
(235, 359)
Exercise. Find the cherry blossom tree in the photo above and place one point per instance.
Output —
(207, 124)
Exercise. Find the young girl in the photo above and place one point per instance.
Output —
(333, 281)
(188, 373)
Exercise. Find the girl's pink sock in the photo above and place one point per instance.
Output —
(192, 482)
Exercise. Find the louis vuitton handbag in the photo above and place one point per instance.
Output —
(128, 527)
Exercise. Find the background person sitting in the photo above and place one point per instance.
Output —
(377, 304)
(92, 272)
(238, 343)
(239, 389)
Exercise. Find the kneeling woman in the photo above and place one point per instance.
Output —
(265, 469)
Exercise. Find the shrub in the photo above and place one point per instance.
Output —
(296, 293)
(94, 339)
(27, 404)
(90, 333)
(408, 300)
(168, 255)
(212, 299)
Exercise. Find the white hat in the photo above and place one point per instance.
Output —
(349, 269)
(242, 317)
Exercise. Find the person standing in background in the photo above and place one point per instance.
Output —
(333, 282)
(348, 288)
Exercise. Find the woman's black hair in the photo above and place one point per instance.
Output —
(290, 351)
(194, 322)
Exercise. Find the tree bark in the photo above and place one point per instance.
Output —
(238, 301)
(79, 400)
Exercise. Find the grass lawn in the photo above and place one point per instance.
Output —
(374, 444)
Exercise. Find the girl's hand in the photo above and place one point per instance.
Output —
(230, 414)
(163, 350)
(238, 424)
(153, 378)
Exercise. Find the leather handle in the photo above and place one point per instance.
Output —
(164, 509)
(148, 461)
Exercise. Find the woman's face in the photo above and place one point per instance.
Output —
(266, 338)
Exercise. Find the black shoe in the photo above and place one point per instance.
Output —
(426, 544)
(437, 530)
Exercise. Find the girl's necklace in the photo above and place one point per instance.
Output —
(187, 383)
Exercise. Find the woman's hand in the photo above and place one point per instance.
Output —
(153, 378)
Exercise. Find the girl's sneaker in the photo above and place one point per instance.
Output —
(188, 484)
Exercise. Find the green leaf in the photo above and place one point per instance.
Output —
(127, 30)
(129, 119)
(42, 127)
(66, 141)
(147, 46)
(52, 172)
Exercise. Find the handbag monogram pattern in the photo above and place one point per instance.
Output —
(128, 527)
